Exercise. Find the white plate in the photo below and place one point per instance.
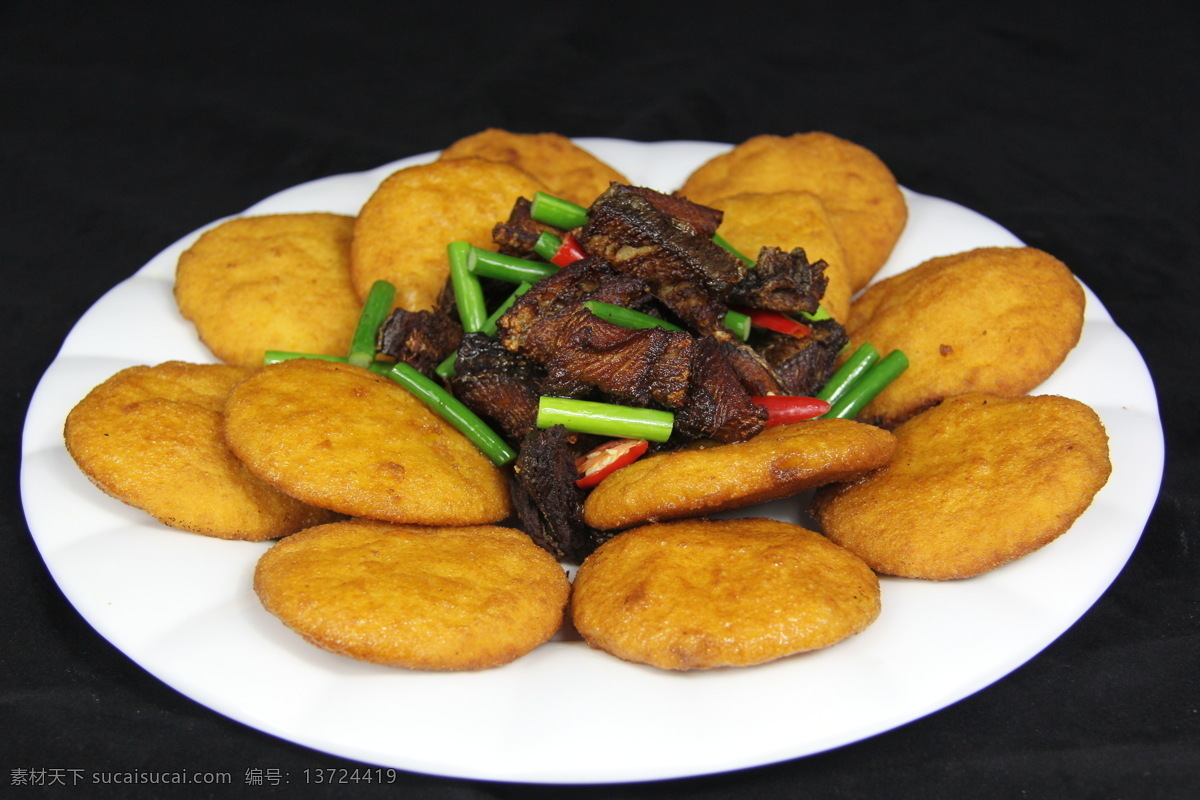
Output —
(182, 606)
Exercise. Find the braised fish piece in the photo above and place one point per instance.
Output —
(421, 339)
(497, 383)
(546, 499)
(518, 235)
(684, 269)
(804, 365)
(704, 219)
(588, 279)
(717, 405)
(758, 377)
(781, 281)
(650, 365)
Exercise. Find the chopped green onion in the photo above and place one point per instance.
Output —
(547, 245)
(739, 323)
(556, 211)
(851, 370)
(488, 264)
(278, 356)
(719, 240)
(736, 321)
(605, 419)
(869, 385)
(627, 317)
(453, 411)
(445, 370)
(816, 316)
(375, 310)
(468, 293)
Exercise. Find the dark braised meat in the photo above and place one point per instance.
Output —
(520, 233)
(704, 219)
(421, 339)
(651, 365)
(548, 503)
(683, 268)
(497, 384)
(758, 377)
(804, 365)
(717, 406)
(588, 279)
(781, 281)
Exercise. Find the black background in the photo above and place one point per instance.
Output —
(124, 126)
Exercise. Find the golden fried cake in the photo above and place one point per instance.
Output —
(699, 594)
(788, 220)
(151, 437)
(864, 201)
(343, 438)
(569, 171)
(274, 282)
(779, 462)
(462, 598)
(403, 228)
(994, 319)
(975, 483)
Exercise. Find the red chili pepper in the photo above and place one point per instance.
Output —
(607, 459)
(569, 252)
(782, 409)
(775, 321)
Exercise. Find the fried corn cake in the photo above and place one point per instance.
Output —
(151, 436)
(975, 483)
(567, 170)
(779, 462)
(401, 232)
(865, 203)
(993, 319)
(343, 438)
(430, 598)
(272, 282)
(702, 594)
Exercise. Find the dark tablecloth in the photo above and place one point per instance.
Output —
(127, 125)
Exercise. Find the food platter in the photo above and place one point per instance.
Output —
(182, 606)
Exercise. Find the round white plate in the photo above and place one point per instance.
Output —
(182, 605)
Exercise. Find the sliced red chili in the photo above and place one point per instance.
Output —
(607, 459)
(775, 321)
(783, 409)
(569, 253)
